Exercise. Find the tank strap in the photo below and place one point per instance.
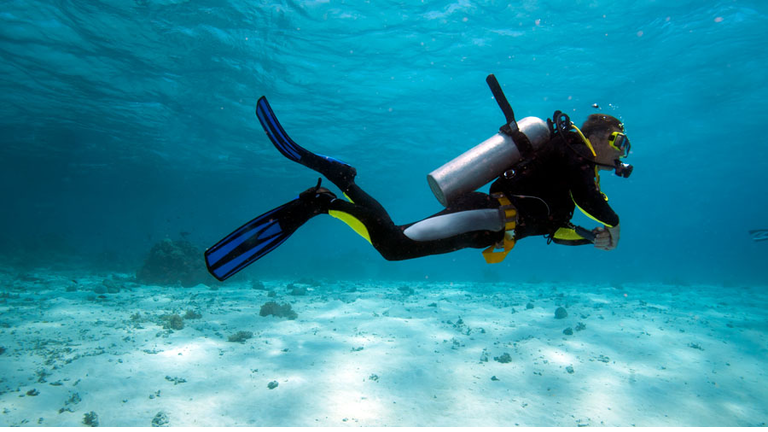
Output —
(496, 253)
(510, 128)
(521, 140)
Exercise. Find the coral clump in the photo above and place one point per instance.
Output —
(161, 419)
(280, 311)
(240, 336)
(172, 262)
(172, 322)
(192, 315)
(297, 290)
(91, 419)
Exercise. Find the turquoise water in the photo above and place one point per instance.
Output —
(124, 123)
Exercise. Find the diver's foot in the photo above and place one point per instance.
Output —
(339, 173)
(317, 198)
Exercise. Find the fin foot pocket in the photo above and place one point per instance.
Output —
(317, 198)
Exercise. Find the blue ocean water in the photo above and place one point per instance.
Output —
(124, 123)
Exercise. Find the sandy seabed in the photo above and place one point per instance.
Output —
(103, 349)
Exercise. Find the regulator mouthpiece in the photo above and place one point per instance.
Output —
(623, 170)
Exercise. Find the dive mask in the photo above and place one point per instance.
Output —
(620, 142)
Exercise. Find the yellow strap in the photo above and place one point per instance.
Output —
(491, 255)
(494, 257)
(510, 212)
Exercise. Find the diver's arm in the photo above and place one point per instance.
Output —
(590, 201)
(588, 198)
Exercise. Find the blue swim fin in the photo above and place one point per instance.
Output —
(759, 235)
(340, 173)
(264, 233)
(248, 243)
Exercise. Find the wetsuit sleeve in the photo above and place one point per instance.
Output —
(588, 198)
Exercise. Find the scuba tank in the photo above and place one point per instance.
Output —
(486, 161)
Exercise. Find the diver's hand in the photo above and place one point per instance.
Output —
(607, 238)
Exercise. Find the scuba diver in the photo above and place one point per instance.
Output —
(542, 171)
(759, 235)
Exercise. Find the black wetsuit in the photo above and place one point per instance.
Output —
(545, 189)
(540, 190)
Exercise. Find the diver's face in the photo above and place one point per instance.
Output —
(606, 155)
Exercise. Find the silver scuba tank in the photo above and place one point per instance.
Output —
(483, 163)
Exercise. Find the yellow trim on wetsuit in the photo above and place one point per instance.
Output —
(568, 234)
(351, 221)
(587, 214)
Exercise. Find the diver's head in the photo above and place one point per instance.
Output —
(606, 133)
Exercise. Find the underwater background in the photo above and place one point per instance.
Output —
(124, 123)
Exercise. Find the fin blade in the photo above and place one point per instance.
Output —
(276, 133)
(288, 148)
(247, 244)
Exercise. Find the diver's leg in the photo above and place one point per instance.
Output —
(438, 234)
(390, 240)
(360, 197)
